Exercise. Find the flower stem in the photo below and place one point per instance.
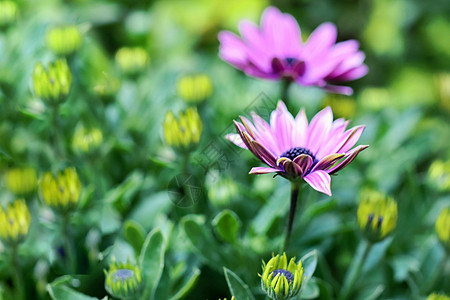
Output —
(19, 284)
(55, 137)
(355, 269)
(295, 191)
(284, 95)
(69, 246)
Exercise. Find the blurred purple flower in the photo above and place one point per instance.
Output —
(275, 51)
(296, 150)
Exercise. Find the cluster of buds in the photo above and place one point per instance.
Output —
(183, 132)
(123, 281)
(52, 84)
(377, 215)
(21, 180)
(132, 60)
(194, 88)
(8, 12)
(62, 191)
(14, 222)
(282, 280)
(443, 227)
(86, 140)
(64, 40)
(439, 175)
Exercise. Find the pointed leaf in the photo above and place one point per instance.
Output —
(237, 287)
(309, 262)
(227, 225)
(134, 234)
(187, 286)
(310, 290)
(59, 290)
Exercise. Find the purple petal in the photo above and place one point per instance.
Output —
(232, 49)
(257, 50)
(334, 139)
(349, 157)
(265, 154)
(320, 181)
(353, 136)
(353, 74)
(300, 130)
(281, 122)
(236, 139)
(290, 167)
(344, 90)
(327, 161)
(263, 170)
(319, 128)
(264, 134)
(304, 162)
(351, 62)
(320, 40)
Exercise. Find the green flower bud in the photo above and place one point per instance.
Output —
(14, 222)
(86, 140)
(443, 227)
(281, 280)
(62, 191)
(52, 84)
(439, 175)
(123, 281)
(184, 132)
(132, 60)
(64, 40)
(21, 181)
(377, 215)
(195, 88)
(436, 296)
(8, 12)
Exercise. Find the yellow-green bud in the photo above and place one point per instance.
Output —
(14, 222)
(377, 215)
(62, 191)
(194, 88)
(132, 60)
(439, 175)
(107, 85)
(183, 132)
(232, 298)
(436, 296)
(8, 12)
(342, 106)
(52, 84)
(21, 181)
(443, 227)
(280, 279)
(64, 40)
(123, 281)
(86, 140)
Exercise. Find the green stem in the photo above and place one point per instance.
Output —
(69, 246)
(19, 284)
(284, 95)
(355, 269)
(55, 137)
(435, 276)
(295, 191)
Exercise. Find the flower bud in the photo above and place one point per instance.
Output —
(86, 140)
(62, 191)
(21, 181)
(64, 40)
(194, 88)
(183, 132)
(14, 222)
(436, 296)
(439, 175)
(52, 84)
(281, 280)
(8, 12)
(377, 215)
(123, 281)
(443, 227)
(132, 60)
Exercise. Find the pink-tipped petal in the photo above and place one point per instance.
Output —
(319, 128)
(281, 122)
(236, 139)
(263, 170)
(349, 157)
(320, 181)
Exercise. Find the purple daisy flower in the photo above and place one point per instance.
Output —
(297, 150)
(275, 51)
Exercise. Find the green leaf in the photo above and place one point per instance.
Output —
(134, 234)
(370, 292)
(309, 263)
(227, 225)
(237, 287)
(187, 285)
(152, 261)
(310, 290)
(59, 289)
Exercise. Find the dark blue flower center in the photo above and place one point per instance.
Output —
(123, 274)
(289, 276)
(294, 152)
(290, 61)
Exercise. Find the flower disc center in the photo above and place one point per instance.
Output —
(289, 276)
(294, 152)
(123, 274)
